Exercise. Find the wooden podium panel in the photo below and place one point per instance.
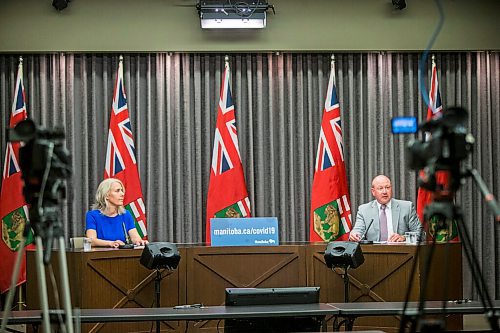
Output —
(385, 276)
(212, 269)
(111, 278)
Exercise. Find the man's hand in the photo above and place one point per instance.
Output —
(354, 237)
(396, 238)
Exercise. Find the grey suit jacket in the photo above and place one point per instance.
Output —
(404, 219)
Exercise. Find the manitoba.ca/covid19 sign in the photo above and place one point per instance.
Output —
(250, 231)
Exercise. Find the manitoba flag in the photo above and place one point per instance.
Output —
(120, 156)
(227, 191)
(330, 204)
(13, 209)
(425, 197)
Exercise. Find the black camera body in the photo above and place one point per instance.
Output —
(447, 145)
(42, 157)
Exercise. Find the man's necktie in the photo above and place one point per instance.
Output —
(383, 224)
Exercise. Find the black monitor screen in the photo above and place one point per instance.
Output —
(272, 296)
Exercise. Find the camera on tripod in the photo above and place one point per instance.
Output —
(447, 144)
(45, 164)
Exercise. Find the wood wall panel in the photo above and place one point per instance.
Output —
(384, 277)
(212, 269)
(106, 278)
(237, 267)
(112, 278)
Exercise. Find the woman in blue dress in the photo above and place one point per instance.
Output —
(109, 224)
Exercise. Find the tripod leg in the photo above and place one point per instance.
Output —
(65, 285)
(406, 317)
(425, 280)
(478, 279)
(15, 276)
(42, 285)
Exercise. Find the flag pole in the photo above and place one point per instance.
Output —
(332, 67)
(226, 67)
(226, 63)
(432, 102)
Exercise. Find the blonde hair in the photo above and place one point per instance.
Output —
(102, 191)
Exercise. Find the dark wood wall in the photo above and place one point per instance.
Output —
(110, 278)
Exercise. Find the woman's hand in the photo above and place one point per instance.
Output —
(135, 238)
(140, 242)
(115, 243)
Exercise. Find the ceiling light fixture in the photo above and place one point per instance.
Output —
(223, 14)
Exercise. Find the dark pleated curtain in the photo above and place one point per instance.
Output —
(172, 100)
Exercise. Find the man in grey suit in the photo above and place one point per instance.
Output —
(385, 218)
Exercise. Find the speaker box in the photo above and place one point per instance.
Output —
(344, 254)
(160, 255)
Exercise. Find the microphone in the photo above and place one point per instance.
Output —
(363, 239)
(127, 245)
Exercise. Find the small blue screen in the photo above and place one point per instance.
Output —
(404, 125)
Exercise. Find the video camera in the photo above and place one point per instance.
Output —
(45, 164)
(447, 144)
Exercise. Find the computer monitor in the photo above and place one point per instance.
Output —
(272, 296)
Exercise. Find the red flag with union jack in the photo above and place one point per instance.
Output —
(120, 156)
(227, 190)
(425, 197)
(330, 204)
(13, 208)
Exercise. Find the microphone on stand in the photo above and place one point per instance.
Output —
(363, 239)
(128, 244)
